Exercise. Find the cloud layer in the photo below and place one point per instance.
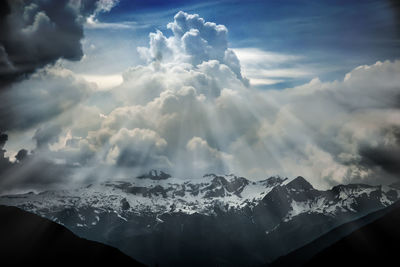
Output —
(190, 111)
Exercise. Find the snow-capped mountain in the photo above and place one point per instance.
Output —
(155, 193)
(155, 217)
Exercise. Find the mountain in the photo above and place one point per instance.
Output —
(222, 220)
(155, 175)
(303, 255)
(29, 239)
(374, 244)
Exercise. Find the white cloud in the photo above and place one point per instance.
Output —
(105, 5)
(262, 81)
(193, 41)
(268, 68)
(103, 82)
(255, 56)
(202, 157)
(93, 23)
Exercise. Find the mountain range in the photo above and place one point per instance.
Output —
(222, 220)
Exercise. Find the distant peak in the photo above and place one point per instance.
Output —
(155, 175)
(209, 175)
(226, 178)
(300, 183)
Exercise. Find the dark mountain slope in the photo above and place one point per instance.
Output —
(375, 244)
(26, 238)
(370, 240)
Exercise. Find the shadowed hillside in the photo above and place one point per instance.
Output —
(27, 238)
(370, 240)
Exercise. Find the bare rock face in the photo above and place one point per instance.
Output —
(155, 175)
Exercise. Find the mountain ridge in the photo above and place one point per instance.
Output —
(246, 222)
(29, 239)
(301, 256)
(372, 244)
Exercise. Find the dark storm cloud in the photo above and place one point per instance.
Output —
(387, 158)
(385, 155)
(21, 155)
(3, 140)
(33, 173)
(38, 32)
(29, 171)
(4, 162)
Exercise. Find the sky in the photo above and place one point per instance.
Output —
(105, 89)
(317, 38)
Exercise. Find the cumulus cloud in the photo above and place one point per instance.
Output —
(194, 41)
(326, 131)
(189, 111)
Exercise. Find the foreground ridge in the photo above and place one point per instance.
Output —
(29, 239)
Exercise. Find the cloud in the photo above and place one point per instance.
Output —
(104, 82)
(36, 33)
(137, 147)
(3, 140)
(193, 41)
(94, 24)
(265, 68)
(203, 157)
(43, 96)
(47, 135)
(350, 123)
(189, 111)
(29, 171)
(105, 5)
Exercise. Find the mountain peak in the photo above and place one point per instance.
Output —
(300, 183)
(155, 175)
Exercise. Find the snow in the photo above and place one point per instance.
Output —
(345, 201)
(119, 216)
(107, 198)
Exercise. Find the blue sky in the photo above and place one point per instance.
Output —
(324, 39)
